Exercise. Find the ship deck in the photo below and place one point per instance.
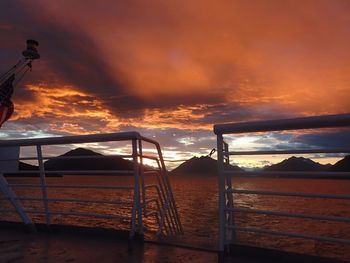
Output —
(62, 244)
(16, 246)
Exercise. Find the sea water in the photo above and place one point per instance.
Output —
(197, 203)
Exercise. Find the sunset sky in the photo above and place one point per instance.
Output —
(172, 69)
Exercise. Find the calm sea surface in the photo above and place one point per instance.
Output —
(197, 202)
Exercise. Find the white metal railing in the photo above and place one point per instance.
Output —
(227, 226)
(165, 212)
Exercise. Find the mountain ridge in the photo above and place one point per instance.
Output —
(203, 165)
(112, 163)
(342, 165)
(298, 164)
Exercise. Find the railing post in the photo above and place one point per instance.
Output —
(43, 184)
(11, 196)
(142, 179)
(137, 209)
(229, 197)
(221, 184)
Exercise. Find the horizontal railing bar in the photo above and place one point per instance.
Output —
(294, 194)
(86, 157)
(69, 157)
(80, 157)
(33, 211)
(90, 215)
(153, 213)
(23, 198)
(25, 185)
(89, 201)
(7, 210)
(74, 186)
(287, 152)
(149, 140)
(151, 200)
(175, 161)
(21, 172)
(91, 186)
(72, 172)
(71, 200)
(19, 159)
(91, 172)
(78, 214)
(149, 157)
(286, 173)
(290, 234)
(288, 214)
(151, 186)
(314, 122)
(151, 171)
(120, 136)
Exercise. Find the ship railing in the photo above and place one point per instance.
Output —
(228, 228)
(164, 211)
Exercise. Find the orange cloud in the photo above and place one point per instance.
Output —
(63, 101)
(69, 110)
(63, 108)
(286, 53)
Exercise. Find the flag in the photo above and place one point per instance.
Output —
(6, 105)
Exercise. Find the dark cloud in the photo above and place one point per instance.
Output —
(67, 55)
(70, 56)
(235, 112)
(329, 139)
(125, 105)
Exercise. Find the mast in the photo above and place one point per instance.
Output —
(13, 76)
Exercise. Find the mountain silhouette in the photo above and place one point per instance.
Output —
(297, 164)
(110, 163)
(203, 165)
(27, 167)
(341, 166)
